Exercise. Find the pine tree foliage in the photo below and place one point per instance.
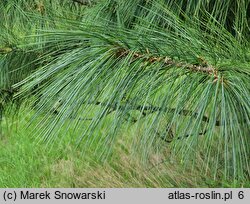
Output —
(177, 72)
(18, 20)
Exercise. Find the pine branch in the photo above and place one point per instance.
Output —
(203, 67)
(178, 138)
(145, 110)
(152, 109)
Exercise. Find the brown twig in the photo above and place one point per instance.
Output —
(202, 67)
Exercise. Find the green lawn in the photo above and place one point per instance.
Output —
(27, 162)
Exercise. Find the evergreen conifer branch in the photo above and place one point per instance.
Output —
(203, 67)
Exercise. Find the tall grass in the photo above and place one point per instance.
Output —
(26, 162)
